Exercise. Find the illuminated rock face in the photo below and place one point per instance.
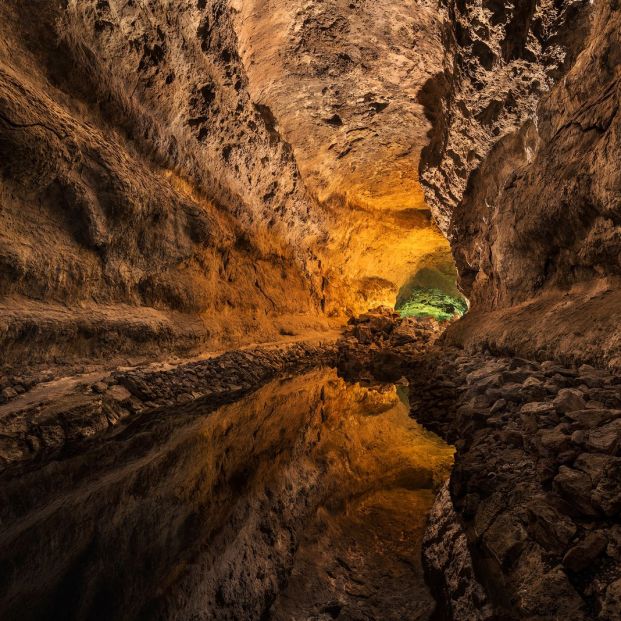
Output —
(343, 79)
(147, 202)
(190, 172)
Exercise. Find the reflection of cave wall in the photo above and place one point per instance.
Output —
(202, 512)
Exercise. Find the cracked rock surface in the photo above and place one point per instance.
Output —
(535, 490)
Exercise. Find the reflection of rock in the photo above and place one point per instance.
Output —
(449, 565)
(184, 512)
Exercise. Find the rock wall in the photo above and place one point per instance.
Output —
(146, 200)
(522, 171)
(342, 78)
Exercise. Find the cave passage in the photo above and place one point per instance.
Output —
(305, 499)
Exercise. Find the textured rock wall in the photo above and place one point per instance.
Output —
(144, 196)
(342, 78)
(500, 60)
(173, 172)
(522, 173)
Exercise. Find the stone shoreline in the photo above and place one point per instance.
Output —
(535, 491)
(46, 429)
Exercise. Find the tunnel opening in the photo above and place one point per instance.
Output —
(432, 291)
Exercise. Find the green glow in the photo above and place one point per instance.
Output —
(432, 303)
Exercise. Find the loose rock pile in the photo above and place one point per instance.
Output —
(380, 343)
(536, 485)
(48, 428)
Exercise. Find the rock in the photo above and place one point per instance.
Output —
(611, 604)
(555, 440)
(532, 381)
(504, 538)
(364, 334)
(118, 393)
(52, 436)
(99, 387)
(592, 417)
(614, 542)
(575, 487)
(605, 439)
(9, 393)
(593, 464)
(569, 400)
(583, 555)
(549, 528)
(498, 406)
(607, 494)
(537, 408)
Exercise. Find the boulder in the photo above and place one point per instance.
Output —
(607, 494)
(569, 400)
(575, 487)
(118, 393)
(605, 439)
(504, 538)
(552, 530)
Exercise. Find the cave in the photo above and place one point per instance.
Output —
(309, 310)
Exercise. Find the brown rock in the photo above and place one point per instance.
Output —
(118, 393)
(583, 555)
(569, 400)
(611, 604)
(607, 493)
(505, 537)
(575, 487)
(9, 393)
(605, 439)
(552, 530)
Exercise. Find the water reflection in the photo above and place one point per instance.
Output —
(306, 500)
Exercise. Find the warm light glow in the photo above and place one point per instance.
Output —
(374, 252)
